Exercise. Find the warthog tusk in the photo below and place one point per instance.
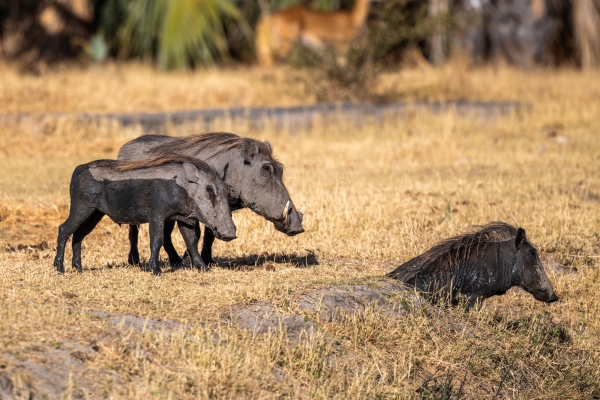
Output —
(285, 212)
(303, 209)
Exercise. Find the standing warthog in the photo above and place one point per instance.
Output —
(246, 165)
(478, 265)
(170, 188)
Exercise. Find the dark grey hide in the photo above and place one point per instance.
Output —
(186, 192)
(478, 265)
(246, 165)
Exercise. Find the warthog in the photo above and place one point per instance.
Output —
(478, 265)
(170, 188)
(246, 165)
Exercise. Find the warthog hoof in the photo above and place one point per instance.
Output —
(133, 259)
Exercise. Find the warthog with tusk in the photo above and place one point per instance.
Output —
(169, 188)
(478, 265)
(247, 166)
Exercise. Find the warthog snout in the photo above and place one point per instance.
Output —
(226, 235)
(226, 238)
(546, 297)
(292, 221)
(294, 232)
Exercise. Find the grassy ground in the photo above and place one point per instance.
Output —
(132, 87)
(376, 195)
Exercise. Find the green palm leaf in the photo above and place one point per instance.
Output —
(178, 33)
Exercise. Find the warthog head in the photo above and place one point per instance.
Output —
(210, 195)
(261, 188)
(529, 273)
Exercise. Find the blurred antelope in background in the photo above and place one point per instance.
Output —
(278, 32)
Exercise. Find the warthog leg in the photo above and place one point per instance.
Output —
(174, 258)
(209, 238)
(81, 232)
(476, 299)
(77, 216)
(191, 236)
(134, 255)
(157, 226)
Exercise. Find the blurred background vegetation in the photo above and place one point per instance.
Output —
(181, 34)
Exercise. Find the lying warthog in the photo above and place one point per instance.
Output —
(246, 165)
(478, 265)
(170, 188)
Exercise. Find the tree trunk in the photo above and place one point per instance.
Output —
(586, 27)
(437, 9)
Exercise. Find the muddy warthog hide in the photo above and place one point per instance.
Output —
(169, 188)
(478, 265)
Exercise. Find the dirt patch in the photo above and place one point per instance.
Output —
(62, 369)
(332, 302)
(326, 304)
(8, 391)
(262, 317)
(551, 264)
(51, 371)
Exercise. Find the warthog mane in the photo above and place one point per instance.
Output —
(453, 254)
(219, 141)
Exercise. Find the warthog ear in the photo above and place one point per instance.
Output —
(268, 145)
(191, 173)
(249, 150)
(520, 237)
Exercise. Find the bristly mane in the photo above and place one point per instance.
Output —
(162, 160)
(218, 141)
(451, 254)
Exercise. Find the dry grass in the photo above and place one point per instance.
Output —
(128, 88)
(376, 196)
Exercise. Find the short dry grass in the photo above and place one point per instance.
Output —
(376, 195)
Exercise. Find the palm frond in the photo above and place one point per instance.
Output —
(177, 33)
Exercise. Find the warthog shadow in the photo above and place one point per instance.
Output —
(266, 260)
(246, 263)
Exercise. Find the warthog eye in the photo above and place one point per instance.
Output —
(532, 253)
(266, 170)
(212, 193)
